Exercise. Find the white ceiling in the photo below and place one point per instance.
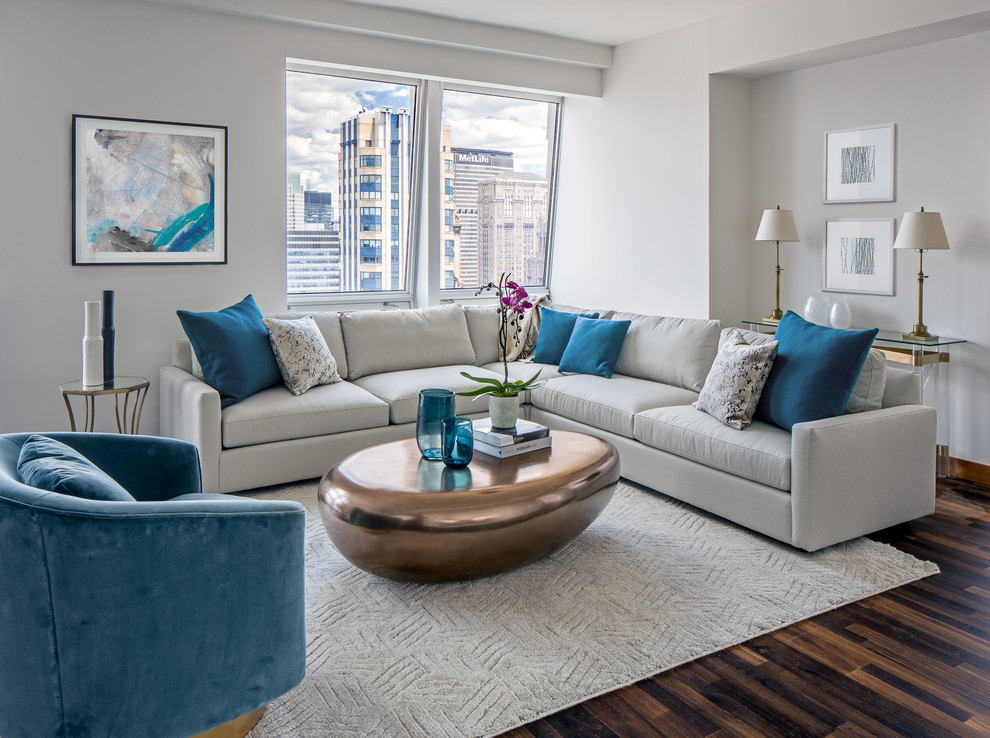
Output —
(609, 22)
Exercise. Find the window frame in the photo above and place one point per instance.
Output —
(422, 243)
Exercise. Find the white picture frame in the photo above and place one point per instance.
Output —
(858, 256)
(859, 164)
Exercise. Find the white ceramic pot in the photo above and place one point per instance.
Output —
(841, 315)
(816, 309)
(504, 411)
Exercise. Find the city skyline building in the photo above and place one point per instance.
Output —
(512, 227)
(373, 175)
(318, 208)
(313, 260)
(295, 205)
(471, 166)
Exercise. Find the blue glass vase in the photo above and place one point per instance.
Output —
(458, 442)
(435, 405)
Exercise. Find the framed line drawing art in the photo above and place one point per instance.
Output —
(859, 256)
(859, 164)
(148, 192)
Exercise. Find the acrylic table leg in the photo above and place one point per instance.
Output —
(68, 406)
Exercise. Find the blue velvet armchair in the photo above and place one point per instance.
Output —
(167, 616)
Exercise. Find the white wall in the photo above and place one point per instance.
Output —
(632, 202)
(151, 61)
(938, 97)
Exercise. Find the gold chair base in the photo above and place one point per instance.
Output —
(236, 728)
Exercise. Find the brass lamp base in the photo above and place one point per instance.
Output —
(920, 333)
(774, 316)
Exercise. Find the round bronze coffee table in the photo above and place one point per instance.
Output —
(394, 514)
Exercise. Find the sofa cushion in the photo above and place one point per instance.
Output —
(814, 373)
(275, 414)
(677, 351)
(329, 324)
(555, 333)
(50, 465)
(868, 392)
(301, 353)
(609, 404)
(482, 322)
(401, 389)
(760, 452)
(594, 346)
(736, 380)
(379, 341)
(233, 350)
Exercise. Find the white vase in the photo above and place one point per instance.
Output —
(816, 309)
(92, 345)
(504, 411)
(841, 315)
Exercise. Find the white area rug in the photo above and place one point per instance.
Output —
(651, 584)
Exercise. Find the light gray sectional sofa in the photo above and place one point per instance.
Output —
(824, 482)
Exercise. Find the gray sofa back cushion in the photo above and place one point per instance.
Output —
(329, 325)
(393, 340)
(482, 322)
(677, 351)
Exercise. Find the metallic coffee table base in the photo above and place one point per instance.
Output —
(396, 515)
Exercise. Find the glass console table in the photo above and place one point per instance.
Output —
(930, 359)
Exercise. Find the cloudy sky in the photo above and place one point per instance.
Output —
(316, 104)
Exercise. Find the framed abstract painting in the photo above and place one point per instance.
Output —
(859, 256)
(859, 164)
(148, 192)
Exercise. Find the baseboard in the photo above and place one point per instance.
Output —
(969, 470)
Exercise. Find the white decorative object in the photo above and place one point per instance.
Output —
(841, 315)
(816, 309)
(92, 375)
(504, 411)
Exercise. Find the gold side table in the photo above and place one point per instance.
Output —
(119, 386)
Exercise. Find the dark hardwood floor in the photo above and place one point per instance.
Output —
(914, 661)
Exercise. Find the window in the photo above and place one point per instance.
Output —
(371, 219)
(345, 138)
(503, 150)
(350, 183)
(371, 251)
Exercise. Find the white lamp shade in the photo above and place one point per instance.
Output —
(777, 225)
(921, 231)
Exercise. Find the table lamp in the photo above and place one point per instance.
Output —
(921, 231)
(777, 225)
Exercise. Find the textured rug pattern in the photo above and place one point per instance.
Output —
(651, 584)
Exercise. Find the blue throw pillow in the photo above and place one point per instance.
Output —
(814, 373)
(594, 346)
(51, 465)
(233, 348)
(555, 332)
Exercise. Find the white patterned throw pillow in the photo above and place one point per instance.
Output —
(302, 353)
(735, 381)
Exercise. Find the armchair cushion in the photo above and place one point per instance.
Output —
(52, 466)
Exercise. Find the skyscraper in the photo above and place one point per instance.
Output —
(373, 176)
(512, 227)
(294, 203)
(318, 208)
(471, 167)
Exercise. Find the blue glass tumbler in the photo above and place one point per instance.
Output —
(434, 406)
(458, 441)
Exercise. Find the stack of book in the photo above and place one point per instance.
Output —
(526, 436)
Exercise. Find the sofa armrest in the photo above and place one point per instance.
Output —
(190, 411)
(148, 467)
(859, 473)
(201, 602)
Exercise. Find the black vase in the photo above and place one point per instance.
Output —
(108, 333)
